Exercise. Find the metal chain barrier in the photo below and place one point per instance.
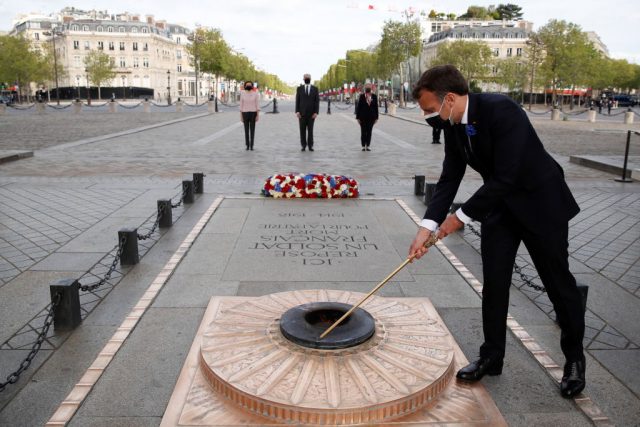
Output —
(21, 108)
(574, 113)
(342, 108)
(540, 114)
(48, 321)
(114, 264)
(176, 205)
(153, 228)
(130, 107)
(228, 105)
(612, 115)
(525, 279)
(95, 106)
(195, 105)
(160, 105)
(58, 107)
(266, 105)
(408, 108)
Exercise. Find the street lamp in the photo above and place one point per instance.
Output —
(53, 33)
(169, 87)
(86, 70)
(196, 60)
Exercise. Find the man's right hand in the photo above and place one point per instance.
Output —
(417, 246)
(298, 115)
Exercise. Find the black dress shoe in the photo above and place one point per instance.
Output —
(310, 149)
(436, 142)
(362, 148)
(474, 371)
(573, 380)
(303, 149)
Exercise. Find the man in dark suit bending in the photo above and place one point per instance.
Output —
(524, 198)
(307, 109)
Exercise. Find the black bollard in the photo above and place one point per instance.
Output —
(215, 103)
(418, 188)
(129, 254)
(386, 111)
(187, 191)
(275, 106)
(165, 212)
(429, 189)
(198, 182)
(66, 315)
(626, 159)
(329, 106)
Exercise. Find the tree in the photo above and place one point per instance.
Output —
(213, 51)
(361, 65)
(472, 58)
(476, 12)
(510, 12)
(99, 68)
(534, 53)
(19, 63)
(511, 74)
(400, 41)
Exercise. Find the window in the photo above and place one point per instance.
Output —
(178, 40)
(145, 29)
(110, 29)
(145, 62)
(36, 36)
(112, 61)
(494, 70)
(121, 29)
(145, 46)
(76, 45)
(496, 51)
(122, 62)
(85, 28)
(136, 64)
(134, 29)
(135, 45)
(87, 45)
(75, 27)
(509, 51)
(179, 68)
(179, 54)
(100, 28)
(111, 46)
(100, 45)
(519, 51)
(121, 45)
(77, 61)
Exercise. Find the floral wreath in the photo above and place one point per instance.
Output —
(310, 186)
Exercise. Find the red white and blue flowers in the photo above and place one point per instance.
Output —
(310, 186)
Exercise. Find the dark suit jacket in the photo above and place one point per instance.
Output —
(307, 105)
(518, 173)
(365, 111)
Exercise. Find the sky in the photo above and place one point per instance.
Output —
(293, 37)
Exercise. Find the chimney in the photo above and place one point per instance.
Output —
(150, 19)
(136, 18)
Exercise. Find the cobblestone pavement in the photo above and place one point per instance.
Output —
(83, 174)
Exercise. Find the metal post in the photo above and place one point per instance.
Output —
(386, 110)
(187, 191)
(67, 313)
(216, 103)
(166, 215)
(329, 106)
(129, 254)
(429, 190)
(275, 106)
(418, 189)
(626, 159)
(198, 182)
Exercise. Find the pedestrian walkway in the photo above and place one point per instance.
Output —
(61, 210)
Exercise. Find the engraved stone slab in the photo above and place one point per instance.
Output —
(242, 372)
(304, 240)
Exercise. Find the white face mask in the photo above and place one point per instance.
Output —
(437, 113)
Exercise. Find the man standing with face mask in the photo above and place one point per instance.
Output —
(524, 198)
(307, 109)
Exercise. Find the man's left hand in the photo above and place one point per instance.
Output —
(450, 225)
(314, 115)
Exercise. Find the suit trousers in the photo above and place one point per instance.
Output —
(249, 121)
(501, 236)
(366, 129)
(306, 131)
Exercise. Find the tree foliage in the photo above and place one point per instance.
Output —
(99, 67)
(472, 58)
(510, 12)
(20, 63)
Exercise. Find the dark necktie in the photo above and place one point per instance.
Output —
(307, 89)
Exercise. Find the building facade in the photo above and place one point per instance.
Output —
(146, 53)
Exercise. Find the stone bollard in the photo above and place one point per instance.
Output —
(40, 106)
(112, 107)
(67, 313)
(418, 187)
(210, 107)
(198, 182)
(555, 114)
(591, 116)
(130, 248)
(628, 117)
(179, 106)
(3, 108)
(429, 189)
(77, 106)
(146, 106)
(187, 191)
(392, 109)
(164, 206)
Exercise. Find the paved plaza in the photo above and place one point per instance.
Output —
(94, 173)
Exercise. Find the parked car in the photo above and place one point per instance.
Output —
(624, 100)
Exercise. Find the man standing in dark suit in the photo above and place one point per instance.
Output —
(524, 198)
(307, 109)
(367, 116)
